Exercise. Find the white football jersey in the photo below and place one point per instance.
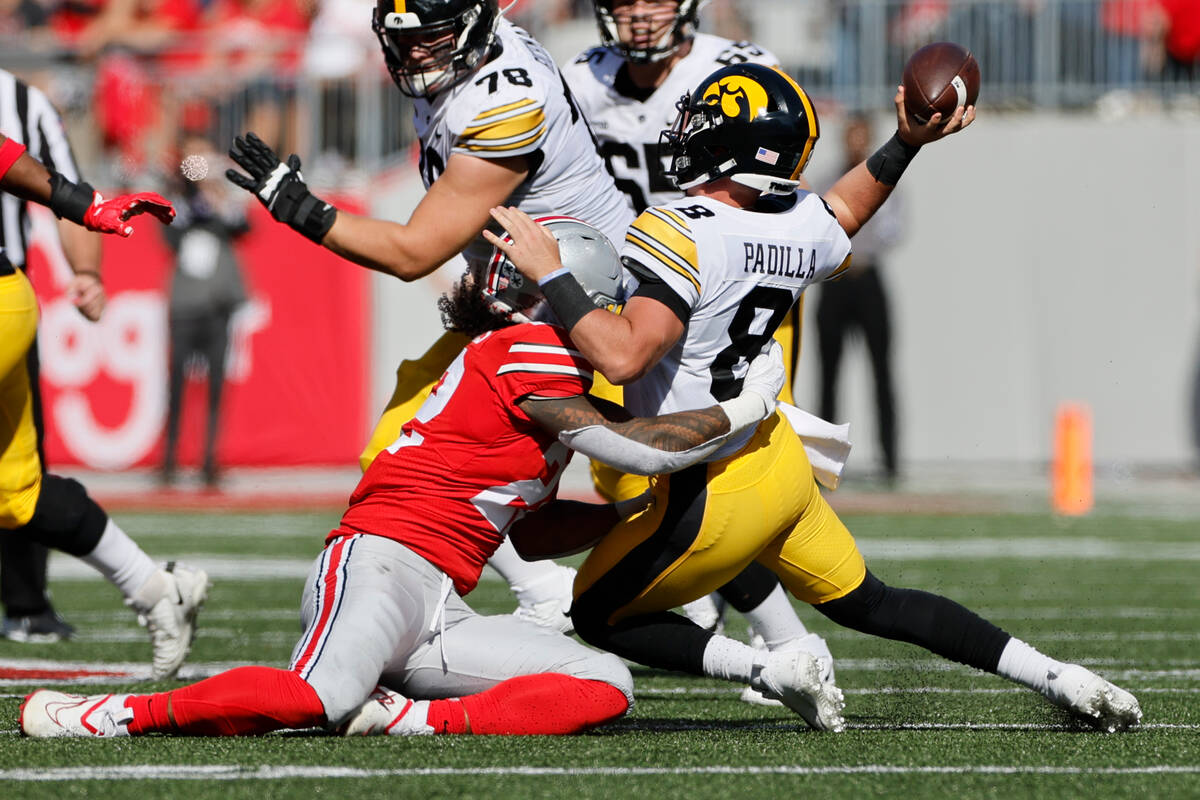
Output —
(628, 127)
(731, 275)
(519, 104)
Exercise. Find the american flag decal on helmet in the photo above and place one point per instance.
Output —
(769, 156)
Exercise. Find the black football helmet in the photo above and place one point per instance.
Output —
(683, 29)
(400, 24)
(751, 123)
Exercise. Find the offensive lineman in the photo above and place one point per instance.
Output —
(496, 124)
(743, 244)
(383, 603)
(628, 87)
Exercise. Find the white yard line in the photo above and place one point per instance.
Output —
(240, 773)
(701, 691)
(125, 672)
(226, 567)
(709, 691)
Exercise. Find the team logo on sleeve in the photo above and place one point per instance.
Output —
(738, 96)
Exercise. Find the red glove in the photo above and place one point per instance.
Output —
(109, 216)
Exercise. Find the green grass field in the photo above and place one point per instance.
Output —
(1120, 594)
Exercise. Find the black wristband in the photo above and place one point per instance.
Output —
(313, 218)
(888, 163)
(69, 200)
(567, 299)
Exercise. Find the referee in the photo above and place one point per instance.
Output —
(27, 117)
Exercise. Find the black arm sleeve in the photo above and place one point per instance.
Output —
(654, 287)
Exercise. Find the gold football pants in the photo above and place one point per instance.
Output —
(20, 468)
(614, 485)
(709, 521)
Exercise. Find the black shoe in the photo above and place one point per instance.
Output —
(44, 628)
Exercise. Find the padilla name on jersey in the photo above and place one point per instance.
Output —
(519, 104)
(627, 121)
(471, 463)
(730, 275)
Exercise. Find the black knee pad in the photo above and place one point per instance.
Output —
(750, 588)
(65, 518)
(857, 608)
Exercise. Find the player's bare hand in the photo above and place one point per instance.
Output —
(531, 248)
(916, 133)
(86, 292)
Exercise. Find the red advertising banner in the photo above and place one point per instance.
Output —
(296, 370)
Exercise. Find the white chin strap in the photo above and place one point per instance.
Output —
(767, 184)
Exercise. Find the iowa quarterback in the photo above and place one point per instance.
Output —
(740, 247)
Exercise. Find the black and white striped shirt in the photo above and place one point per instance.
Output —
(26, 116)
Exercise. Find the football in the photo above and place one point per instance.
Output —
(940, 77)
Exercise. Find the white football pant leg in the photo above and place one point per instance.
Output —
(477, 652)
(367, 600)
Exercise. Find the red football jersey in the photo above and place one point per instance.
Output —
(471, 463)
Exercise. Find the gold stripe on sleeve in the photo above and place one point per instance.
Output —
(477, 145)
(508, 128)
(658, 259)
(667, 235)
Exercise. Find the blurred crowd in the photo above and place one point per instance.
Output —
(138, 74)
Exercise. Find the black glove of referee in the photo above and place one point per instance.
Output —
(280, 187)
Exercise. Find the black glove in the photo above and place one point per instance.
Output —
(280, 187)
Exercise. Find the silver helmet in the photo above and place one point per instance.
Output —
(583, 250)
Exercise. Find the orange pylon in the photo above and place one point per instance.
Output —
(1071, 471)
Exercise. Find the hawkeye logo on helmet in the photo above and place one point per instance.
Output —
(737, 96)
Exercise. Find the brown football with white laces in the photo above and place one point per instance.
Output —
(940, 77)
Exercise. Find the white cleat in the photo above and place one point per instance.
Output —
(554, 612)
(1098, 702)
(171, 619)
(794, 677)
(809, 643)
(46, 714)
(387, 713)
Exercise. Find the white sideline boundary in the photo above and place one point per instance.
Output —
(231, 772)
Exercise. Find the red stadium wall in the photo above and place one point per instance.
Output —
(296, 387)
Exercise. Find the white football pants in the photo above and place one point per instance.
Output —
(374, 612)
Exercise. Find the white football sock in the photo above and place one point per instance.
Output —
(730, 659)
(529, 580)
(118, 558)
(1021, 663)
(775, 620)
